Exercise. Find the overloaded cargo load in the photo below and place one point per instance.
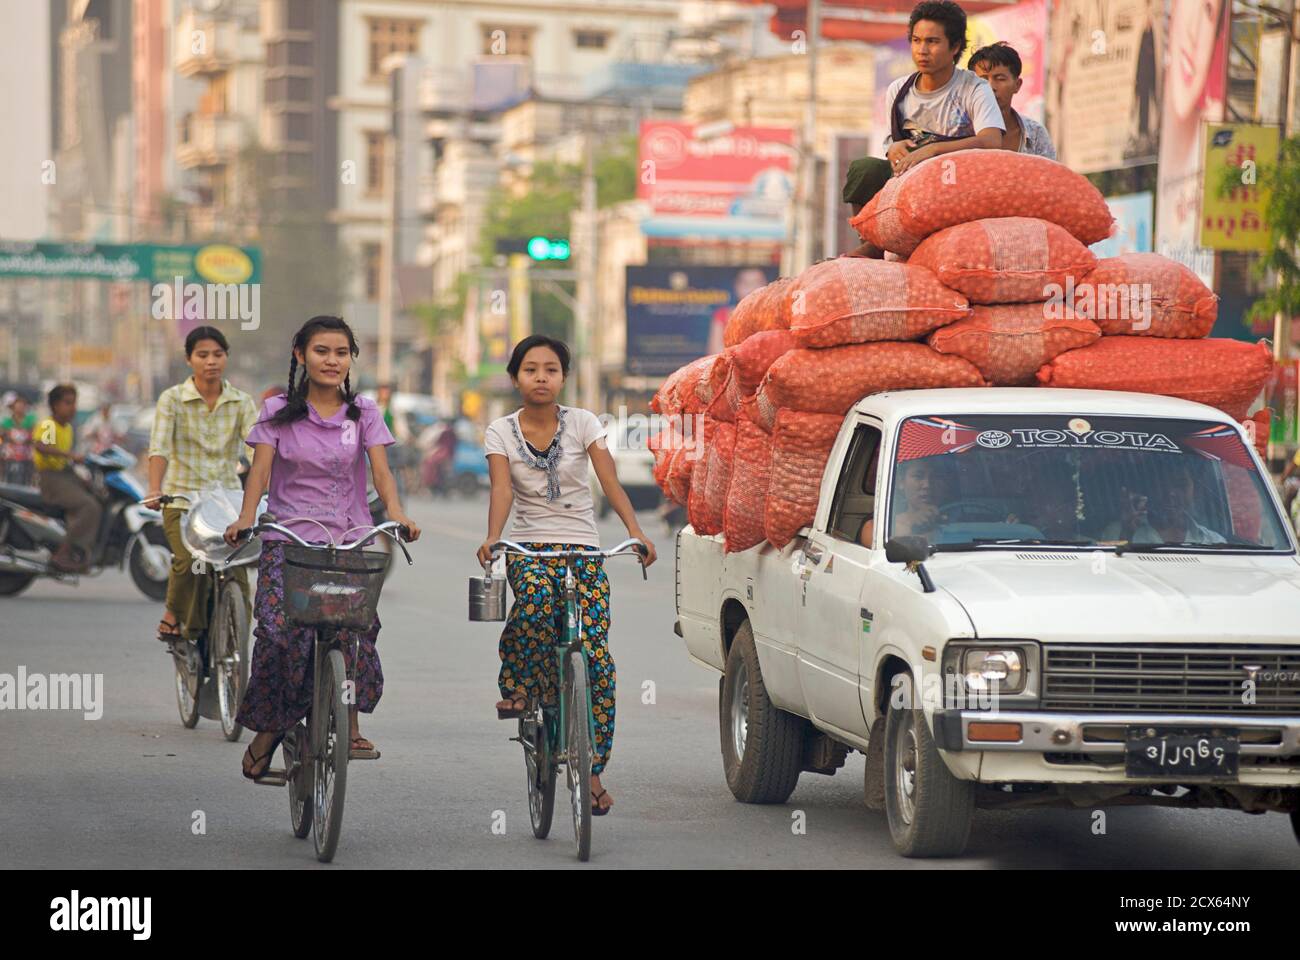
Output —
(1005, 259)
(1008, 343)
(857, 300)
(999, 289)
(1228, 374)
(972, 185)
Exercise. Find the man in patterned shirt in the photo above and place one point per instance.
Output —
(999, 65)
(197, 439)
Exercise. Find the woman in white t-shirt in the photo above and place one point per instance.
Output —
(537, 459)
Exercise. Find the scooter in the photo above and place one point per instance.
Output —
(130, 535)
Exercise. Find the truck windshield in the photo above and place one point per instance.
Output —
(1101, 481)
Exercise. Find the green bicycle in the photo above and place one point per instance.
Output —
(563, 733)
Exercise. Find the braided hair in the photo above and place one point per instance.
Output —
(296, 395)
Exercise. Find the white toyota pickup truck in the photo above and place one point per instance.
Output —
(1014, 596)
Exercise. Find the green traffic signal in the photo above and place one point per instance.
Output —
(543, 248)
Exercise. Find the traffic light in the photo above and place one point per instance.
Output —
(538, 248)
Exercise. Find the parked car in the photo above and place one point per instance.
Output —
(1014, 597)
(635, 464)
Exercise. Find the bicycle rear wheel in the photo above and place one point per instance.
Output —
(578, 734)
(230, 656)
(329, 749)
(541, 772)
(297, 751)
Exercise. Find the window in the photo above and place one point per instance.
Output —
(375, 161)
(299, 14)
(297, 127)
(389, 36)
(372, 255)
(508, 39)
(590, 39)
(855, 494)
(1094, 481)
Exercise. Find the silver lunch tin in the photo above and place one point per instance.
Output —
(487, 598)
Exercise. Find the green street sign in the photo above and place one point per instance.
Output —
(218, 263)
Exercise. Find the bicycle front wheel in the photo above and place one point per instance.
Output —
(188, 666)
(329, 748)
(230, 656)
(578, 734)
(541, 773)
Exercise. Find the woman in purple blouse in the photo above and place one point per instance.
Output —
(311, 443)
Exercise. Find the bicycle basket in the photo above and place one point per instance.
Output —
(332, 588)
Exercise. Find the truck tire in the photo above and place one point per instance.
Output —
(762, 747)
(929, 810)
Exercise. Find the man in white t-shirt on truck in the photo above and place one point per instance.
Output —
(936, 110)
(940, 108)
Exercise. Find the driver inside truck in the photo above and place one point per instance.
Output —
(917, 499)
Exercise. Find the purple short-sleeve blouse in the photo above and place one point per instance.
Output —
(319, 470)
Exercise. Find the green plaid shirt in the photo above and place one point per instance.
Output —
(201, 446)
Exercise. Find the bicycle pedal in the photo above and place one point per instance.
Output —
(272, 778)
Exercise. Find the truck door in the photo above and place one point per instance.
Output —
(829, 591)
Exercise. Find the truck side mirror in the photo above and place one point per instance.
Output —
(908, 550)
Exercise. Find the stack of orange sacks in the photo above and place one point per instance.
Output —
(998, 288)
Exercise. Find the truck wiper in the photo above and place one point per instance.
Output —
(1130, 547)
(1011, 541)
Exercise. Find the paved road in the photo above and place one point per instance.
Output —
(121, 791)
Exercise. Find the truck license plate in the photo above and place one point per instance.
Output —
(1181, 754)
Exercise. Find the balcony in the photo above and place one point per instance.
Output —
(203, 45)
(208, 140)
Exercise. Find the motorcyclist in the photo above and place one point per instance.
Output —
(61, 487)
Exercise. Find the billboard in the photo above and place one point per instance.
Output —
(737, 184)
(1024, 28)
(1194, 84)
(677, 314)
(1135, 225)
(1102, 92)
(1236, 221)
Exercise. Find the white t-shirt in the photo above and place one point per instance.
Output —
(570, 517)
(960, 108)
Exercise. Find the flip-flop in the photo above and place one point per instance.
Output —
(258, 758)
(361, 753)
(596, 809)
(169, 636)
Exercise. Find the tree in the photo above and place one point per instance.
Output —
(555, 191)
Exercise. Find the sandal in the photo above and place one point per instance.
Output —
(169, 636)
(358, 752)
(518, 705)
(258, 759)
(596, 809)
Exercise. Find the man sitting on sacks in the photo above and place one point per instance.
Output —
(999, 66)
(938, 109)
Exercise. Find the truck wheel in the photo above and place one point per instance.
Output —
(12, 584)
(929, 810)
(762, 747)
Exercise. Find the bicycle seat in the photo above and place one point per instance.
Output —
(29, 497)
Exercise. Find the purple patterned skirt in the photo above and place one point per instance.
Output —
(280, 677)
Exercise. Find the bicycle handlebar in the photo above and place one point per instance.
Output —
(386, 528)
(628, 547)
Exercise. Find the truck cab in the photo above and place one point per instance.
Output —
(1014, 596)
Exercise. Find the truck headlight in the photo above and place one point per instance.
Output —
(999, 670)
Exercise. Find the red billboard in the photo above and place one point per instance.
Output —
(733, 183)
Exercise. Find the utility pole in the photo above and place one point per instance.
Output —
(588, 361)
(388, 258)
(808, 155)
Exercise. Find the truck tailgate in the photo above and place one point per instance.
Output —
(699, 591)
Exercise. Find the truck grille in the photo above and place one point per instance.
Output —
(1171, 679)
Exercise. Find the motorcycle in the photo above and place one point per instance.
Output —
(130, 535)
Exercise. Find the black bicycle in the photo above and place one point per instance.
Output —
(328, 587)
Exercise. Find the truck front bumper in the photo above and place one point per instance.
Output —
(1090, 747)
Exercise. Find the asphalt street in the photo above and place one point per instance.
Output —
(124, 790)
